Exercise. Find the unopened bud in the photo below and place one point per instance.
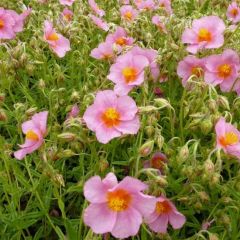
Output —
(223, 102)
(184, 152)
(31, 111)
(2, 97)
(209, 166)
(75, 96)
(161, 181)
(212, 105)
(146, 148)
(160, 141)
(68, 137)
(149, 130)
(213, 236)
(3, 115)
(103, 165)
(147, 109)
(203, 196)
(67, 153)
(41, 84)
(206, 126)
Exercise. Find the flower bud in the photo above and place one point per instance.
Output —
(67, 136)
(160, 141)
(206, 126)
(31, 111)
(41, 84)
(203, 196)
(67, 153)
(3, 116)
(223, 102)
(103, 165)
(213, 236)
(75, 96)
(209, 167)
(149, 130)
(2, 97)
(147, 109)
(184, 152)
(212, 105)
(146, 148)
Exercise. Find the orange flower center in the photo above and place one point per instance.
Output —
(1, 23)
(157, 162)
(107, 56)
(128, 15)
(68, 17)
(224, 70)
(31, 135)
(53, 37)
(118, 200)
(197, 71)
(229, 139)
(163, 207)
(121, 41)
(204, 35)
(111, 117)
(234, 12)
(130, 74)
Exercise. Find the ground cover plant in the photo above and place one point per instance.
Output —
(119, 119)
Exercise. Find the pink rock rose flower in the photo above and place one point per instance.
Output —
(223, 69)
(111, 116)
(115, 207)
(228, 138)
(128, 72)
(206, 32)
(67, 2)
(233, 12)
(35, 130)
(128, 13)
(165, 212)
(189, 66)
(96, 8)
(58, 43)
(99, 23)
(104, 51)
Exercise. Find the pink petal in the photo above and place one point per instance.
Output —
(99, 218)
(127, 224)
(177, 219)
(95, 191)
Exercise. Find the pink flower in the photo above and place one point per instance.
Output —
(165, 212)
(67, 2)
(206, 32)
(7, 22)
(120, 38)
(145, 5)
(19, 19)
(151, 55)
(223, 69)
(104, 51)
(95, 8)
(35, 130)
(166, 4)
(228, 138)
(157, 161)
(115, 207)
(111, 116)
(128, 12)
(189, 66)
(67, 14)
(157, 21)
(59, 44)
(127, 72)
(74, 112)
(233, 12)
(99, 22)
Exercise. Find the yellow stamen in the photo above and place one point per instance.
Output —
(130, 74)
(1, 23)
(118, 200)
(163, 207)
(224, 70)
(128, 15)
(204, 35)
(31, 135)
(230, 138)
(111, 117)
(53, 37)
